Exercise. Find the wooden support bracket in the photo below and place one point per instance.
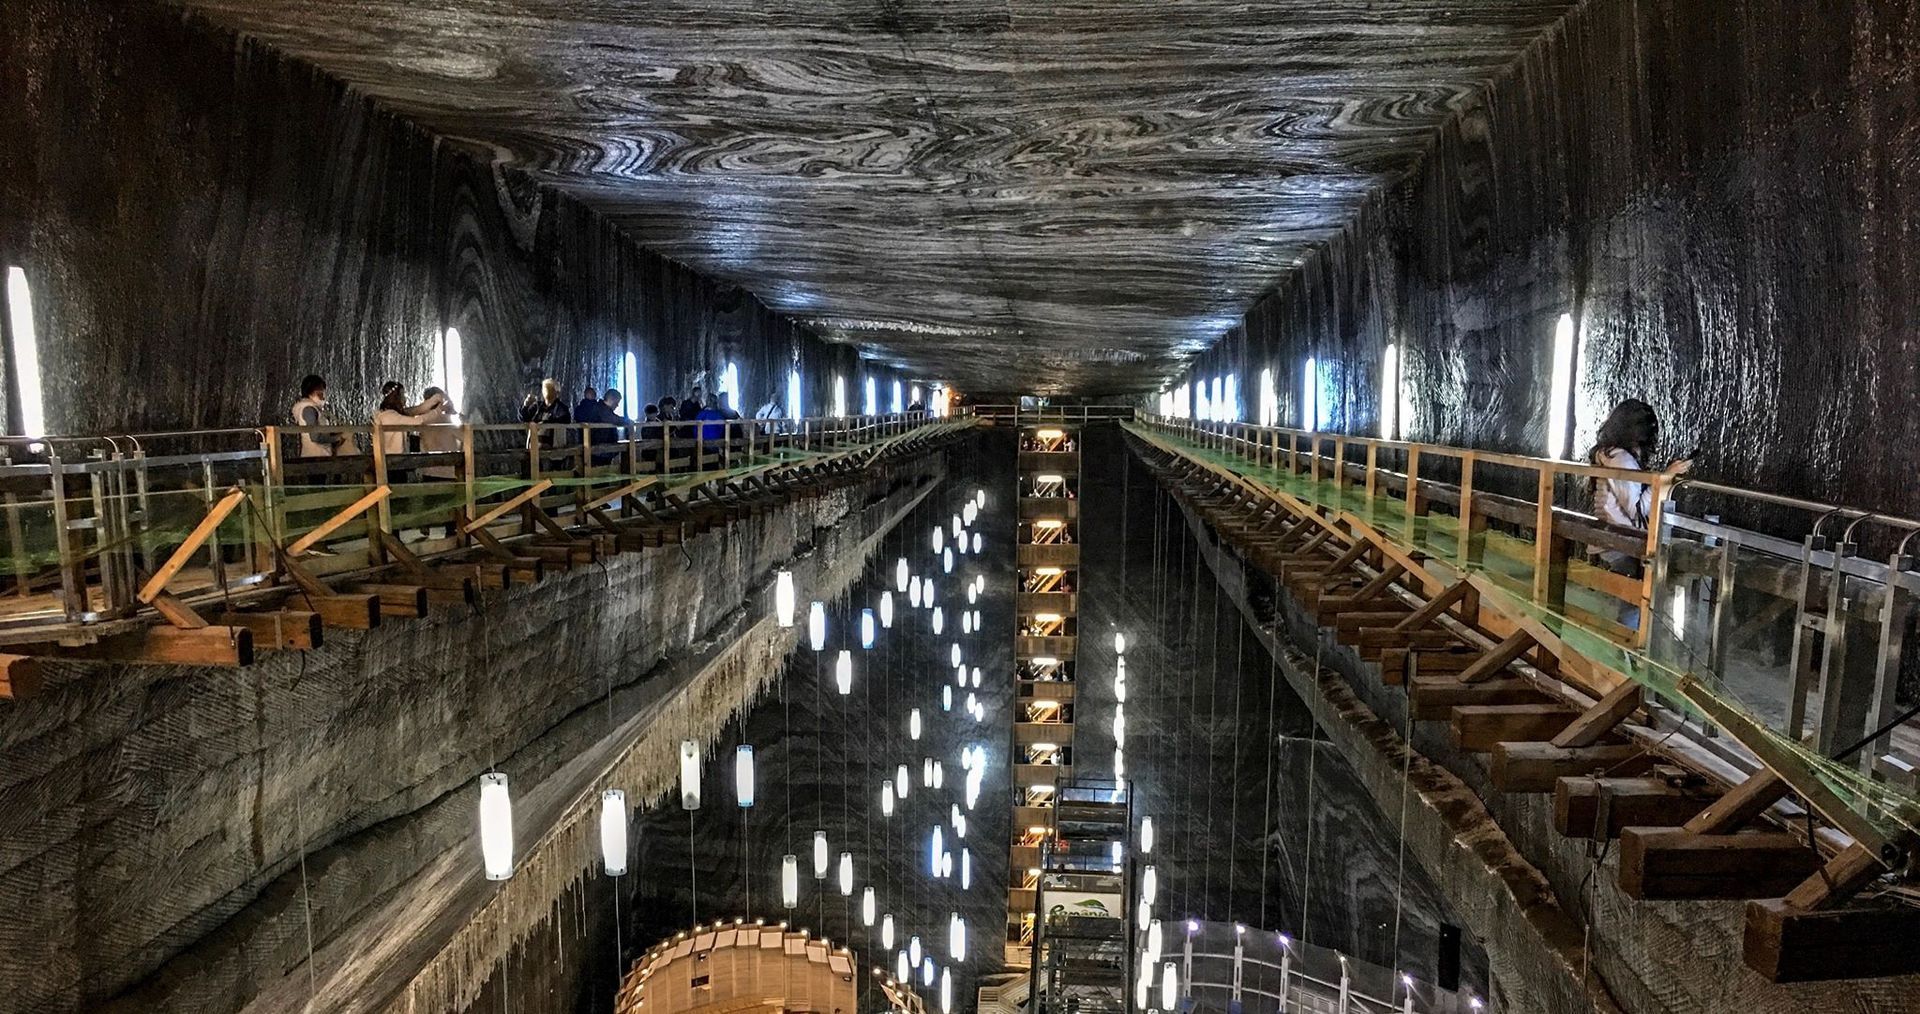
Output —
(183, 553)
(1504, 654)
(280, 629)
(1594, 723)
(332, 524)
(499, 510)
(1673, 863)
(1538, 767)
(20, 676)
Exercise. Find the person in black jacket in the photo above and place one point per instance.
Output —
(690, 409)
(547, 408)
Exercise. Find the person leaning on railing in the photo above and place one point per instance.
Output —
(311, 411)
(1627, 439)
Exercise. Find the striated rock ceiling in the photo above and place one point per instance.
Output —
(1044, 196)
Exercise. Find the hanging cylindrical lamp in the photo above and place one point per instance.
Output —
(976, 676)
(946, 991)
(1120, 725)
(790, 880)
(1144, 913)
(956, 937)
(743, 775)
(926, 772)
(913, 592)
(817, 625)
(868, 906)
(935, 846)
(886, 799)
(1149, 883)
(938, 621)
(946, 698)
(900, 781)
(1169, 986)
(976, 543)
(843, 672)
(973, 592)
(926, 971)
(913, 950)
(913, 724)
(689, 775)
(946, 562)
(926, 593)
(966, 867)
(1146, 835)
(846, 874)
(902, 970)
(1155, 940)
(496, 825)
(1143, 987)
(867, 628)
(1119, 764)
(939, 538)
(1119, 643)
(613, 831)
(886, 932)
(820, 855)
(783, 601)
(953, 654)
(966, 621)
(939, 775)
(980, 497)
(969, 512)
(900, 574)
(886, 610)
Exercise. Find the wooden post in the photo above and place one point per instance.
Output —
(1550, 552)
(1373, 477)
(1656, 506)
(379, 516)
(1470, 545)
(1416, 504)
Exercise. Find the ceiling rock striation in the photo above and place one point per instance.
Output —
(1063, 196)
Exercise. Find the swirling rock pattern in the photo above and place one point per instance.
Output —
(1063, 196)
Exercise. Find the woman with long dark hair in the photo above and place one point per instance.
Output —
(1628, 440)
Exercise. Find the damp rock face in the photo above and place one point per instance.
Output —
(155, 817)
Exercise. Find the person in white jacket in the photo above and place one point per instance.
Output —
(1627, 440)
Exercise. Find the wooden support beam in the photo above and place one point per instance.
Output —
(531, 568)
(20, 677)
(1838, 879)
(348, 612)
(332, 524)
(499, 510)
(183, 553)
(402, 601)
(1671, 864)
(176, 612)
(280, 629)
(1352, 622)
(1594, 723)
(1538, 767)
(1433, 698)
(1504, 654)
(1431, 610)
(1373, 641)
(1740, 804)
(1631, 802)
(625, 491)
(165, 645)
(1786, 944)
(1345, 560)
(1478, 728)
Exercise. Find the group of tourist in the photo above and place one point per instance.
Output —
(546, 407)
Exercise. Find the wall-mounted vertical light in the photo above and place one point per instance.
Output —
(872, 399)
(915, 398)
(613, 831)
(1310, 394)
(1560, 394)
(448, 370)
(839, 396)
(25, 353)
(689, 775)
(793, 393)
(899, 399)
(1234, 411)
(1269, 399)
(1390, 393)
(783, 598)
(496, 825)
(743, 775)
(629, 386)
(886, 799)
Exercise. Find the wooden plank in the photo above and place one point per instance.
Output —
(177, 612)
(348, 612)
(164, 645)
(1538, 767)
(1838, 879)
(502, 508)
(1480, 727)
(281, 629)
(330, 525)
(1631, 802)
(183, 553)
(1670, 864)
(1739, 805)
(1789, 766)
(1503, 654)
(1594, 723)
(1786, 944)
(404, 601)
(1433, 698)
(20, 677)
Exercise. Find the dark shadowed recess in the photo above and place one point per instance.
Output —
(1068, 195)
(205, 220)
(1258, 821)
(1725, 203)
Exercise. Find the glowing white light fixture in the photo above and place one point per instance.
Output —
(953, 654)
(1120, 725)
(973, 787)
(1560, 394)
(913, 950)
(969, 512)
(868, 628)
(783, 603)
(868, 904)
(1146, 835)
(939, 775)
(26, 353)
(1116, 853)
(886, 610)
(914, 398)
(1142, 987)
(846, 874)
(613, 831)
(913, 724)
(926, 972)
(843, 672)
(817, 625)
(899, 399)
(1169, 986)
(966, 621)
(1390, 392)
(966, 860)
(839, 396)
(971, 701)
(901, 969)
(936, 844)
(900, 781)
(926, 772)
(956, 937)
(793, 394)
(1269, 399)
(1310, 395)
(926, 593)
(496, 825)
(1155, 940)
(973, 593)
(743, 775)
(939, 538)
(980, 497)
(1119, 643)
(1119, 764)
(976, 676)
(689, 775)
(450, 367)
(1143, 913)
(819, 855)
(886, 932)
(946, 562)
(913, 592)
(790, 880)
(946, 991)
(1149, 884)
(976, 543)
(946, 698)
(886, 799)
(901, 574)
(939, 621)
